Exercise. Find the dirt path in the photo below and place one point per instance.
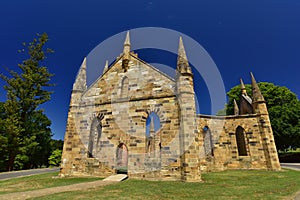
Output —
(48, 191)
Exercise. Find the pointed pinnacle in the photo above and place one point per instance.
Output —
(256, 94)
(80, 82)
(127, 39)
(181, 50)
(243, 88)
(106, 66)
(234, 102)
(252, 78)
(236, 108)
(83, 64)
(242, 84)
(126, 49)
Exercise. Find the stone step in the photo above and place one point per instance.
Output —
(116, 177)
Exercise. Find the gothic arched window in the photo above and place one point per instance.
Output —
(124, 87)
(94, 138)
(122, 159)
(240, 141)
(152, 122)
(152, 126)
(208, 143)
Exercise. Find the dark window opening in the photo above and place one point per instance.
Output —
(94, 139)
(240, 141)
(208, 142)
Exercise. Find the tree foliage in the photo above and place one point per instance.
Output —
(284, 110)
(56, 144)
(55, 158)
(25, 131)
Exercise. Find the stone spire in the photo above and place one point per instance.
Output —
(243, 88)
(126, 52)
(188, 128)
(181, 52)
(105, 67)
(236, 108)
(80, 82)
(256, 94)
(182, 62)
(127, 44)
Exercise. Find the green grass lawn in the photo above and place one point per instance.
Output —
(239, 184)
(38, 182)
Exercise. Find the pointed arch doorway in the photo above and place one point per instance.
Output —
(122, 159)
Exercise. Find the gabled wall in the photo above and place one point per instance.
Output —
(123, 120)
(225, 148)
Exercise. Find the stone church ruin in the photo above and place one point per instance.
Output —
(135, 119)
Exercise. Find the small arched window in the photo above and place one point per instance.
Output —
(122, 159)
(240, 141)
(208, 143)
(124, 87)
(152, 126)
(94, 138)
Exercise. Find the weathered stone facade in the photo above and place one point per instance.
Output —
(106, 127)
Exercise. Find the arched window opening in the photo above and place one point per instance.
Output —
(208, 143)
(240, 141)
(152, 126)
(124, 87)
(122, 159)
(94, 138)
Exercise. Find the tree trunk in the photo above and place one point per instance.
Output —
(11, 160)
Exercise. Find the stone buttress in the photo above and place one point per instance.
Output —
(265, 129)
(187, 133)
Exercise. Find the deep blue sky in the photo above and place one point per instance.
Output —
(240, 36)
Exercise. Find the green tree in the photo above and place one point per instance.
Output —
(56, 144)
(10, 135)
(55, 158)
(285, 120)
(26, 131)
(3, 140)
(284, 110)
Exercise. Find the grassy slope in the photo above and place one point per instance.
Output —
(219, 185)
(38, 182)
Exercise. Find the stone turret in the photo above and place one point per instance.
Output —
(265, 129)
(72, 138)
(186, 98)
(259, 103)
